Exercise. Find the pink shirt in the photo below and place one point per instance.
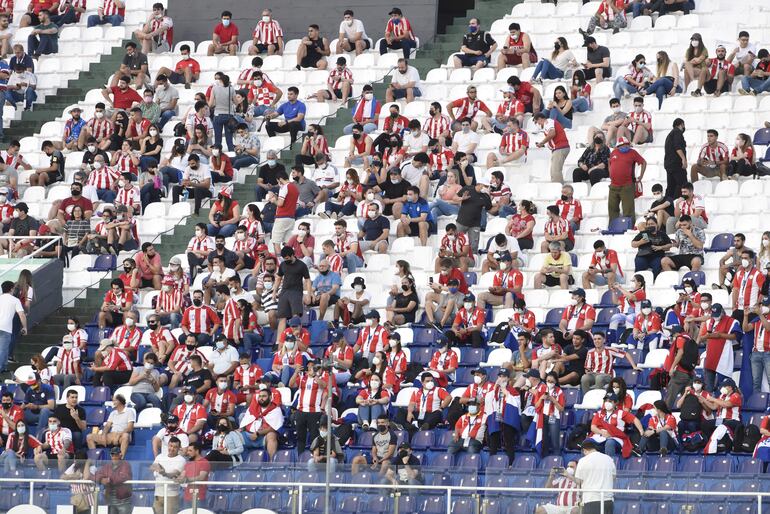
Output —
(144, 265)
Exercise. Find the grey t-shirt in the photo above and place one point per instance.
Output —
(596, 56)
(383, 441)
(686, 247)
(223, 99)
(164, 97)
(136, 61)
(307, 190)
(144, 386)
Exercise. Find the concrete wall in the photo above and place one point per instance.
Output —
(48, 281)
(195, 19)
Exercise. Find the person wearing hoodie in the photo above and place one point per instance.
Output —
(623, 179)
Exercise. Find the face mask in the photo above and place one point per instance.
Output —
(745, 263)
(71, 327)
(323, 433)
(15, 214)
(149, 366)
(688, 290)
(148, 100)
(188, 398)
(697, 386)
(226, 23)
(197, 302)
(765, 309)
(222, 385)
(289, 345)
(472, 29)
(616, 109)
(694, 43)
(473, 410)
(724, 390)
(466, 129)
(67, 346)
(646, 311)
(220, 345)
(527, 383)
(268, 285)
(573, 301)
(429, 385)
(53, 427)
(638, 108)
(356, 136)
(121, 183)
(477, 379)
(468, 306)
(215, 152)
(609, 405)
(129, 322)
(374, 385)
(368, 96)
(190, 347)
(376, 361)
(393, 344)
(99, 115)
(220, 246)
(358, 289)
(705, 306)
(405, 287)
(266, 19)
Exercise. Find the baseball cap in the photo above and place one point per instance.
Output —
(533, 373)
(173, 418)
(115, 450)
(396, 10)
(579, 291)
(717, 310)
(480, 371)
(611, 397)
(646, 304)
(337, 335)
(469, 298)
(372, 314)
(623, 141)
(503, 373)
(31, 379)
(505, 256)
(175, 261)
(295, 321)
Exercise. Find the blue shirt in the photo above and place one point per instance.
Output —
(324, 283)
(415, 209)
(39, 396)
(26, 61)
(291, 110)
(373, 228)
(4, 67)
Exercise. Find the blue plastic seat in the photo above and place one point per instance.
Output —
(349, 504)
(607, 300)
(95, 417)
(364, 440)
(762, 137)
(518, 507)
(423, 336)
(665, 464)
(469, 461)
(285, 457)
(752, 466)
(442, 439)
(470, 278)
(441, 461)
(619, 225)
(636, 464)
(472, 356)
(463, 377)
(553, 317)
(272, 500)
(524, 462)
(604, 316)
(571, 397)
(463, 506)
(242, 502)
(104, 263)
(378, 504)
(422, 355)
(722, 465)
(757, 402)
(217, 502)
(422, 440)
(631, 376)
(496, 462)
(720, 243)
(98, 396)
(551, 461)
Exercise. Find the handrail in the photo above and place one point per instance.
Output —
(52, 240)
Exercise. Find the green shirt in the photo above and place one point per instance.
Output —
(48, 27)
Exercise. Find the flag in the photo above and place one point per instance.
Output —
(616, 434)
(762, 450)
(746, 386)
(505, 410)
(535, 433)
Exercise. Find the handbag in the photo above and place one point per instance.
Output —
(638, 189)
(80, 502)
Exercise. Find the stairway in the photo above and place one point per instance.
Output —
(432, 55)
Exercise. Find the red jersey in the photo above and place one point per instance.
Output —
(290, 195)
(311, 393)
(605, 261)
(403, 28)
(748, 284)
(733, 412)
(508, 279)
(602, 361)
(249, 376)
(470, 427)
(571, 209)
(191, 63)
(201, 244)
(761, 337)
(628, 305)
(467, 108)
(513, 142)
(118, 360)
(69, 360)
(169, 301)
(371, 340)
(267, 33)
(16, 415)
(124, 99)
(747, 152)
(434, 127)
(715, 66)
(676, 345)
(511, 108)
(122, 301)
(104, 178)
(428, 401)
(454, 244)
(560, 140)
(717, 153)
(189, 415)
(262, 95)
(440, 161)
(647, 324)
(336, 77)
(220, 401)
(558, 227)
(127, 338)
(162, 334)
(454, 273)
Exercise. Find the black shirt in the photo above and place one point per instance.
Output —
(196, 379)
(656, 238)
(57, 159)
(480, 40)
(136, 61)
(400, 468)
(402, 301)
(269, 175)
(674, 141)
(62, 411)
(293, 274)
(230, 257)
(578, 365)
(22, 227)
(471, 209)
(664, 199)
(598, 55)
(391, 190)
(373, 228)
(88, 157)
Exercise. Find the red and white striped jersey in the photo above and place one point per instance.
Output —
(292, 358)
(511, 108)
(434, 127)
(201, 244)
(470, 427)
(733, 412)
(341, 354)
(716, 153)
(478, 391)
(128, 197)
(169, 301)
(576, 316)
(248, 376)
(79, 338)
(761, 338)
(118, 360)
(654, 422)
(344, 242)
(715, 66)
(399, 29)
(124, 164)
(311, 394)
(602, 361)
(16, 414)
(59, 441)
(605, 262)
(465, 319)
(454, 243)
(467, 108)
(200, 319)
(526, 319)
(336, 76)
(397, 362)
(137, 129)
(371, 340)
(6, 6)
(104, 178)
(181, 358)
(509, 279)
(569, 491)
(570, 209)
(748, 284)
(335, 262)
(189, 414)
(628, 305)
(220, 401)
(100, 128)
(247, 247)
(548, 407)
(247, 75)
(267, 33)
(428, 401)
(127, 338)
(560, 139)
(513, 142)
(319, 144)
(110, 8)
(229, 314)
(693, 204)
(165, 21)
(637, 118)
(73, 4)
(161, 334)
(443, 361)
(648, 324)
(440, 161)
(253, 228)
(69, 360)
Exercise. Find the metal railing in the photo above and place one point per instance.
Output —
(298, 490)
(51, 240)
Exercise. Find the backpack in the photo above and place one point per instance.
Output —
(577, 436)
(500, 333)
(691, 409)
(690, 355)
(746, 440)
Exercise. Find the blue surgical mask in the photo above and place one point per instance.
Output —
(453, 290)
(396, 21)
(472, 28)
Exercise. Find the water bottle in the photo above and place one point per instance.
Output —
(185, 195)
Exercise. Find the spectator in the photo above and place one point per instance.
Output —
(638, 126)
(424, 410)
(186, 71)
(416, 219)
(695, 59)
(623, 179)
(744, 55)
(477, 47)
(690, 240)
(579, 315)
(593, 165)
(466, 110)
(326, 287)
(221, 102)
(580, 92)
(44, 38)
(759, 358)
(56, 445)
(604, 268)
(293, 279)
(123, 97)
(196, 469)
(18, 444)
(717, 77)
(522, 224)
(398, 34)
(597, 65)
(293, 112)
(196, 181)
(339, 83)
(652, 243)
(117, 430)
(405, 79)
(346, 245)
(560, 108)
(268, 36)
(747, 285)
(166, 97)
(561, 60)
(21, 87)
(712, 160)
(608, 427)
(404, 468)
(168, 466)
(727, 412)
(23, 227)
(469, 431)
(557, 230)
(110, 11)
(134, 65)
(675, 159)
(383, 446)
(404, 306)
(188, 406)
(365, 112)
(718, 333)
(313, 50)
(611, 13)
(54, 172)
(570, 208)
(557, 142)
(518, 50)
(637, 78)
(224, 214)
(610, 127)
(508, 110)
(100, 129)
(666, 81)
(467, 324)
(562, 479)
(756, 81)
(360, 147)
(475, 200)
(157, 33)
(146, 384)
(556, 270)
(224, 40)
(375, 231)
(742, 157)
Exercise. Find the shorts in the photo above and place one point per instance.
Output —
(550, 508)
(707, 171)
(53, 176)
(649, 136)
(472, 60)
(369, 245)
(401, 93)
(289, 304)
(445, 298)
(337, 93)
(414, 229)
(282, 229)
(500, 157)
(551, 281)
(262, 48)
(34, 19)
(146, 282)
(176, 78)
(310, 61)
(117, 318)
(367, 44)
(332, 300)
(711, 86)
(515, 60)
(601, 280)
(684, 260)
(590, 73)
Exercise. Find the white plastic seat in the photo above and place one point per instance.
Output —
(81, 390)
(592, 400)
(655, 359)
(497, 358)
(148, 418)
(402, 399)
(648, 396)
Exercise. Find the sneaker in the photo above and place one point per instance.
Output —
(615, 30)
(298, 67)
(697, 93)
(537, 81)
(743, 92)
(663, 452)
(580, 145)
(187, 86)
(583, 33)
(323, 215)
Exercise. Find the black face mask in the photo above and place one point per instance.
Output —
(325, 272)
(220, 246)
(152, 324)
(394, 115)
(376, 164)
(222, 428)
(75, 192)
(190, 347)
(296, 179)
(193, 167)
(382, 428)
(402, 454)
(564, 198)
(197, 302)
(171, 428)
(356, 136)
(7, 406)
(127, 269)
(598, 141)
(405, 287)
(434, 150)
(394, 144)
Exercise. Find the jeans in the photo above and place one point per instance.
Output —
(170, 175)
(369, 413)
(552, 435)
(556, 114)
(759, 361)
(347, 209)
(43, 44)
(242, 161)
(368, 128)
(106, 195)
(648, 262)
(29, 96)
(443, 208)
(581, 104)
(220, 123)
(758, 85)
(173, 320)
(473, 233)
(711, 379)
(5, 346)
(405, 44)
(621, 86)
(148, 194)
(353, 262)
(224, 230)
(10, 461)
(260, 193)
(611, 447)
(140, 401)
(95, 20)
(251, 340)
(660, 88)
(548, 70)
(165, 116)
(64, 19)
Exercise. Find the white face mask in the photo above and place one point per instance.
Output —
(67, 346)
(393, 344)
(188, 398)
(53, 427)
(121, 183)
(468, 306)
(369, 322)
(129, 322)
(266, 19)
(153, 132)
(15, 214)
(550, 385)
(429, 385)
(98, 165)
(368, 96)
(503, 266)
(92, 148)
(705, 306)
(222, 385)
(609, 405)
(745, 263)
(240, 236)
(616, 390)
(199, 233)
(99, 114)
(570, 471)
(473, 409)
(657, 196)
(148, 366)
(694, 43)
(697, 386)
(215, 152)
(374, 385)
(376, 361)
(766, 243)
(477, 379)
(688, 289)
(646, 311)
(358, 289)
(765, 309)
(289, 345)
(528, 383)
(616, 109)
(573, 301)
(21, 429)
(638, 108)
(724, 390)
(71, 327)
(371, 214)
(599, 255)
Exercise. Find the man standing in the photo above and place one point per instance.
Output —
(623, 178)
(168, 466)
(293, 278)
(9, 307)
(113, 476)
(475, 202)
(675, 159)
(718, 334)
(285, 209)
(595, 471)
(557, 142)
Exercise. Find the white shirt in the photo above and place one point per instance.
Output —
(26, 77)
(412, 174)
(120, 420)
(596, 471)
(414, 144)
(351, 30)
(219, 276)
(245, 295)
(323, 177)
(164, 437)
(464, 141)
(411, 75)
(512, 246)
(170, 465)
(742, 52)
(221, 361)
(9, 306)
(201, 174)
(364, 296)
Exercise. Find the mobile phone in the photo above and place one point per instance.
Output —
(430, 280)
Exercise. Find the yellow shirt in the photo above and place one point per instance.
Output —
(561, 263)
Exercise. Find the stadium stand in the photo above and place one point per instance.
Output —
(476, 309)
